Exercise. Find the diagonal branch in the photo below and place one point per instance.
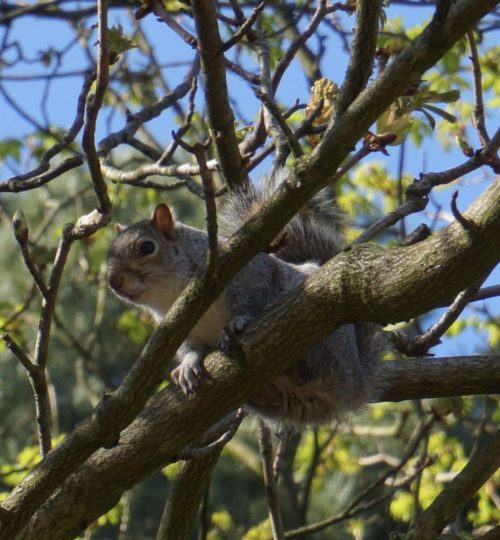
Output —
(484, 461)
(135, 121)
(190, 486)
(120, 408)
(419, 345)
(362, 53)
(39, 176)
(359, 284)
(167, 423)
(220, 115)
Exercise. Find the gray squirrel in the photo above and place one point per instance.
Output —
(151, 262)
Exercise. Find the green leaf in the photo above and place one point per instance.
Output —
(10, 147)
(118, 42)
(440, 112)
(429, 117)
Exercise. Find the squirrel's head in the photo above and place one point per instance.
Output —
(142, 259)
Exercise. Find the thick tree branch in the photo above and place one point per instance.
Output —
(361, 284)
(121, 407)
(156, 433)
(440, 377)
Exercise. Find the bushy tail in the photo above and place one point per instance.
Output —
(312, 235)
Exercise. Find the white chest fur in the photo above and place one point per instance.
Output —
(208, 329)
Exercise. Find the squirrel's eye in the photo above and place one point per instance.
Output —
(147, 247)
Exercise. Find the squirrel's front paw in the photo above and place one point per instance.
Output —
(189, 373)
(232, 331)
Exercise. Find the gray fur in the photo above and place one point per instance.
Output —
(335, 377)
(313, 234)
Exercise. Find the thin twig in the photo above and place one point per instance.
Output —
(21, 233)
(198, 150)
(165, 16)
(283, 439)
(28, 365)
(417, 193)
(136, 121)
(27, 302)
(311, 28)
(19, 183)
(466, 223)
(243, 73)
(483, 462)
(169, 152)
(16, 183)
(407, 208)
(288, 134)
(487, 292)
(221, 441)
(42, 342)
(245, 27)
(355, 507)
(94, 103)
(479, 121)
(266, 450)
(426, 182)
(343, 516)
(311, 471)
(39, 386)
(419, 345)
(48, 304)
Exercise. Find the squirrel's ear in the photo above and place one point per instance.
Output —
(163, 221)
(119, 228)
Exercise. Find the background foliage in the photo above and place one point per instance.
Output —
(45, 52)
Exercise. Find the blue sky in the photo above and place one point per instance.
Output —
(171, 50)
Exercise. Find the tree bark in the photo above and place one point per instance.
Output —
(350, 288)
(182, 506)
(363, 283)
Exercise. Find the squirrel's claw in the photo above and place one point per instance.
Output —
(189, 373)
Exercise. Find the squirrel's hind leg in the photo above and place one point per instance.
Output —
(232, 331)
